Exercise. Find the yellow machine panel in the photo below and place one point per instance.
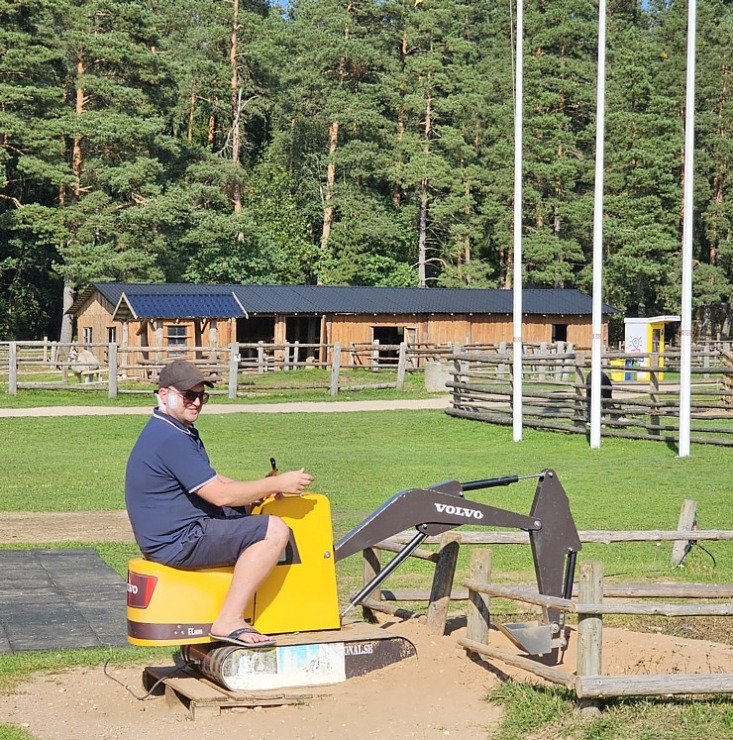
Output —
(169, 606)
(300, 595)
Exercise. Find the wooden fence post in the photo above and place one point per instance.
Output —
(501, 367)
(445, 571)
(544, 354)
(375, 355)
(371, 567)
(13, 369)
(559, 352)
(686, 522)
(569, 351)
(477, 611)
(581, 412)
(335, 367)
(457, 367)
(654, 393)
(401, 366)
(590, 629)
(233, 369)
(260, 357)
(112, 370)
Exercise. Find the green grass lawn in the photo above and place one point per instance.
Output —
(361, 459)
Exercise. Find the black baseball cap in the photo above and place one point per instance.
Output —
(182, 375)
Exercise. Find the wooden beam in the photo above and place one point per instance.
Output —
(550, 674)
(478, 614)
(688, 515)
(661, 610)
(606, 537)
(445, 571)
(515, 594)
(654, 685)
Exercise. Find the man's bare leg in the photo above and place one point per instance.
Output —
(250, 570)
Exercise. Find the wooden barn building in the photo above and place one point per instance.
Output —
(190, 315)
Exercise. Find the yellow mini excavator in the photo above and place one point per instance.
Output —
(299, 601)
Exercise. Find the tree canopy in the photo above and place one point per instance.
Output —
(362, 142)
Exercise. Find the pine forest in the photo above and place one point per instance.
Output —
(355, 142)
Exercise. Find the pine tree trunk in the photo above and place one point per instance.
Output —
(333, 135)
(236, 108)
(508, 268)
(211, 132)
(191, 113)
(556, 225)
(67, 323)
(467, 240)
(77, 160)
(719, 181)
(66, 333)
(422, 238)
(397, 188)
(423, 220)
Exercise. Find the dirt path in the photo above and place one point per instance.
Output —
(33, 527)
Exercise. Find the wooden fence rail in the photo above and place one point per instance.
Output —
(682, 539)
(643, 402)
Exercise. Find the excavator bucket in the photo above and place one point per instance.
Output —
(554, 549)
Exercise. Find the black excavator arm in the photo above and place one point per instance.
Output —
(552, 533)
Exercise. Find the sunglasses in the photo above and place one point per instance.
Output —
(190, 397)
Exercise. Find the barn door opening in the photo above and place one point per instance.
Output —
(306, 330)
(252, 330)
(389, 338)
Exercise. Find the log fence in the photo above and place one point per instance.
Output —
(121, 369)
(641, 400)
(606, 537)
(587, 682)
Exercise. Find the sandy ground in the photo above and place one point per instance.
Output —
(440, 694)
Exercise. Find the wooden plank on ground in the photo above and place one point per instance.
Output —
(203, 698)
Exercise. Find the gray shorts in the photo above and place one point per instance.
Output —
(212, 543)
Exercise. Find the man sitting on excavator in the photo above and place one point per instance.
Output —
(186, 515)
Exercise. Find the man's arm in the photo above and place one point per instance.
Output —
(222, 491)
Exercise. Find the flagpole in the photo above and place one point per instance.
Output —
(517, 260)
(687, 228)
(596, 344)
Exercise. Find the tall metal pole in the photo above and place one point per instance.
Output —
(686, 308)
(517, 261)
(596, 345)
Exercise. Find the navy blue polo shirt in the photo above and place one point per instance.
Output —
(167, 465)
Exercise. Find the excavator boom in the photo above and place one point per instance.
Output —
(431, 511)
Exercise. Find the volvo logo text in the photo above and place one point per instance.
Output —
(459, 511)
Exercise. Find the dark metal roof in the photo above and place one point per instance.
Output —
(186, 300)
(178, 306)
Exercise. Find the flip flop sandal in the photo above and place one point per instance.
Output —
(233, 638)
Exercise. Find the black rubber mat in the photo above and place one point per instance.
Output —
(52, 599)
